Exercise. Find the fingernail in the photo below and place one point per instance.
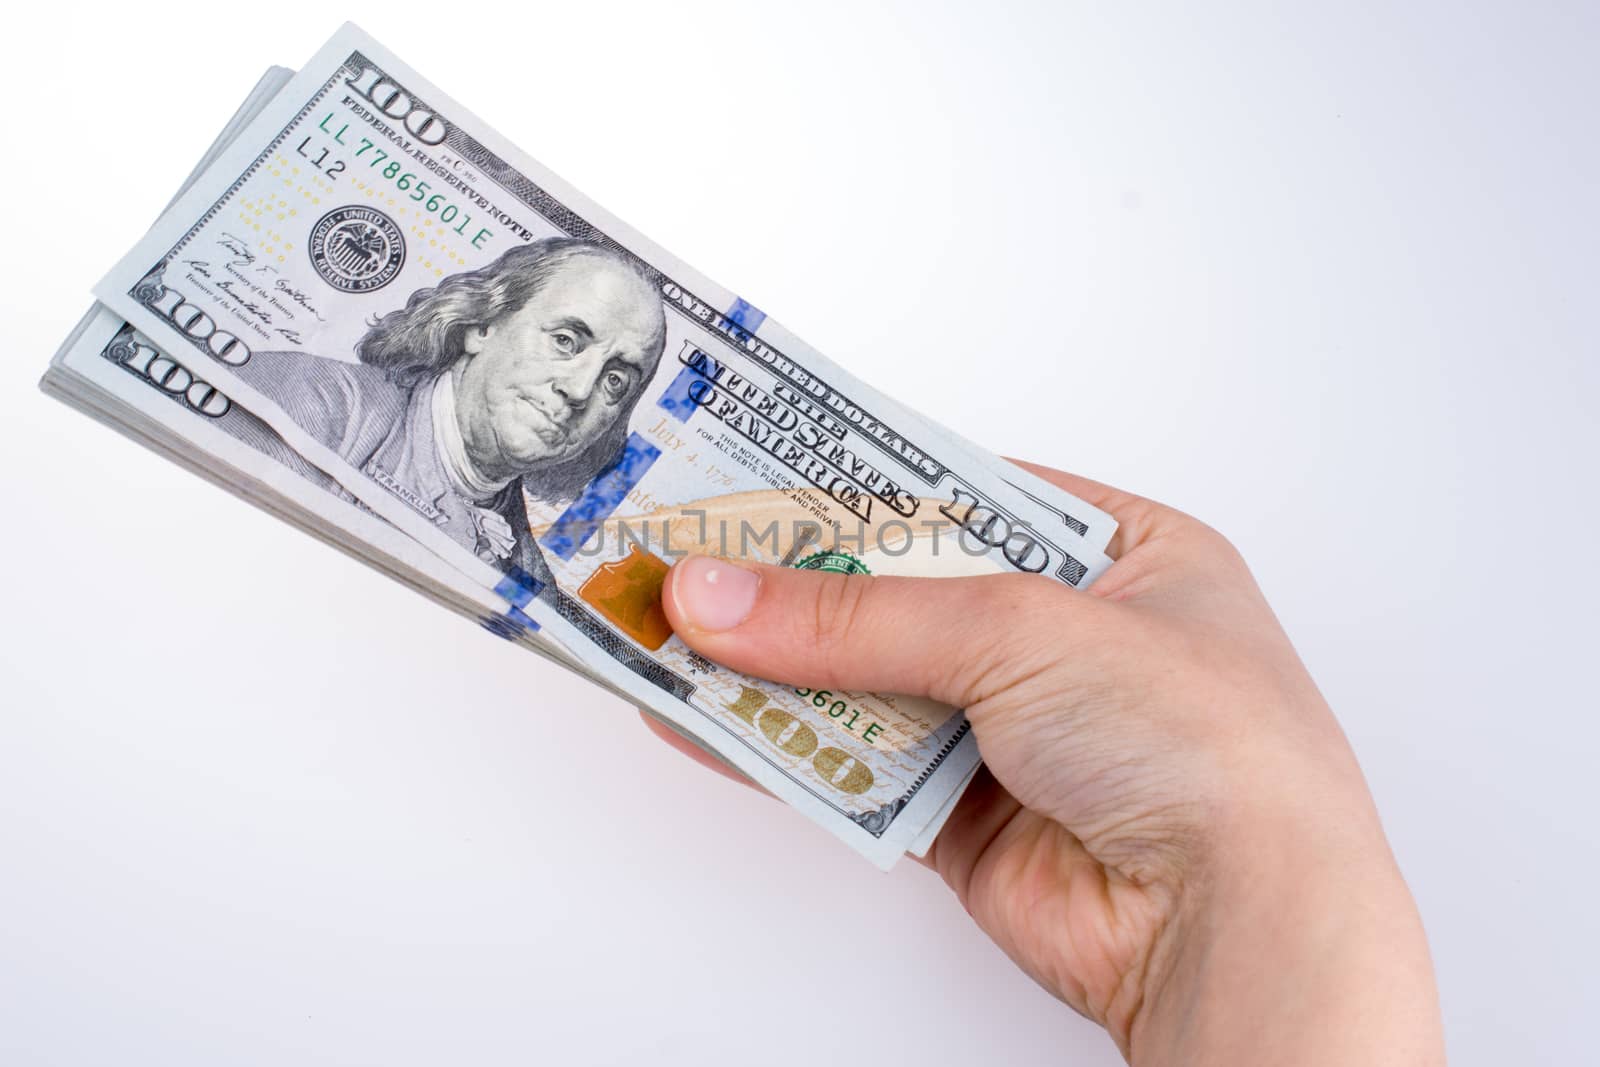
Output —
(713, 594)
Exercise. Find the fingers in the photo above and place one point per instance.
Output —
(981, 814)
(1099, 494)
(689, 748)
(944, 638)
(1138, 520)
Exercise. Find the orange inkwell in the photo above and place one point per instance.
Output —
(628, 593)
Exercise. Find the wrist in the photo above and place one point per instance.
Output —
(1296, 940)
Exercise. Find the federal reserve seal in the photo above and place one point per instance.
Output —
(833, 563)
(356, 249)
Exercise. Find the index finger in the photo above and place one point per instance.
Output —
(1138, 519)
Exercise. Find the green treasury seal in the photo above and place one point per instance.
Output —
(833, 563)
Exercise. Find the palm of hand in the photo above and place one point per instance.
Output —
(1077, 929)
(1084, 911)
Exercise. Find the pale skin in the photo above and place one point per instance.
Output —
(1172, 834)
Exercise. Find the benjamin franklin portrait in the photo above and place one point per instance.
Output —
(519, 376)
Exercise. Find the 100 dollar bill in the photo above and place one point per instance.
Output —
(555, 407)
(107, 369)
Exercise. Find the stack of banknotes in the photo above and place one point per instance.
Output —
(370, 315)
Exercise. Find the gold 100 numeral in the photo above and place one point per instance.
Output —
(788, 734)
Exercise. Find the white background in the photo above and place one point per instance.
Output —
(1325, 279)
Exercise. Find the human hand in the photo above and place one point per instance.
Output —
(1171, 834)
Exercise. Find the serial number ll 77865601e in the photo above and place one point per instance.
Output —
(437, 204)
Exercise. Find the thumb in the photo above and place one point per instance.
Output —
(950, 639)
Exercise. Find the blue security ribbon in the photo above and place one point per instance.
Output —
(600, 498)
(608, 488)
(745, 315)
(675, 399)
(518, 587)
(512, 625)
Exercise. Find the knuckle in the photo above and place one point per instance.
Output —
(837, 606)
(1207, 541)
(1010, 597)
(1012, 626)
(1222, 549)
